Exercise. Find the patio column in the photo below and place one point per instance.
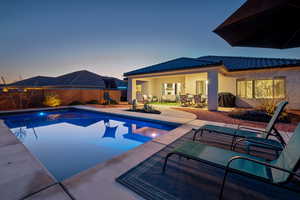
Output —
(131, 90)
(212, 95)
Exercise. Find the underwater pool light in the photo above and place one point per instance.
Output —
(41, 114)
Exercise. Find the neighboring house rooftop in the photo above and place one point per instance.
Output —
(82, 78)
(36, 81)
(78, 79)
(230, 62)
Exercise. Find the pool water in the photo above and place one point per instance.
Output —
(70, 141)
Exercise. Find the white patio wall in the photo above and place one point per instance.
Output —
(227, 84)
(190, 82)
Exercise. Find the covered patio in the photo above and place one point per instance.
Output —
(172, 87)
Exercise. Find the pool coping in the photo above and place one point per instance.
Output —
(15, 157)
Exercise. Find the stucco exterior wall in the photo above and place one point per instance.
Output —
(190, 82)
(145, 88)
(292, 86)
(227, 84)
(157, 82)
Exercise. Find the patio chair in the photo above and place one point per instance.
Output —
(184, 100)
(276, 172)
(106, 98)
(150, 98)
(199, 101)
(251, 136)
(139, 97)
(145, 98)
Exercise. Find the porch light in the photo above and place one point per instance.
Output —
(5, 89)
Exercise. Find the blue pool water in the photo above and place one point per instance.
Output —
(72, 140)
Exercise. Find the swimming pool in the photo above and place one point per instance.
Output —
(69, 141)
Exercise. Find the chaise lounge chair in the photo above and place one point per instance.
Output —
(276, 172)
(251, 136)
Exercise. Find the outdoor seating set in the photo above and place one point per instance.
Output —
(277, 172)
(192, 100)
(184, 100)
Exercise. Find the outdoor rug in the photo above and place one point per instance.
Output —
(188, 179)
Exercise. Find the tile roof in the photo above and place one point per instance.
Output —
(81, 78)
(35, 81)
(78, 79)
(232, 63)
(176, 64)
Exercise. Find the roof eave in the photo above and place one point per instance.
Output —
(267, 67)
(127, 74)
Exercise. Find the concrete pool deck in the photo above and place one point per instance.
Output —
(24, 176)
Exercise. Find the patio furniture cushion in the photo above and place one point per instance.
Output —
(214, 155)
(289, 157)
(229, 131)
(262, 142)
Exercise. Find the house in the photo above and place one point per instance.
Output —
(250, 79)
(81, 86)
(78, 79)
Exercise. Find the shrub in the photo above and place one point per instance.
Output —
(94, 101)
(144, 111)
(148, 108)
(251, 115)
(113, 102)
(52, 100)
(74, 103)
(268, 105)
(258, 116)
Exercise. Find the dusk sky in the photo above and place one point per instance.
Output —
(50, 38)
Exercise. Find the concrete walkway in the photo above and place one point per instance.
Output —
(21, 174)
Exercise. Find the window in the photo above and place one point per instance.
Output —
(261, 89)
(171, 88)
(279, 88)
(201, 87)
(245, 89)
(138, 88)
